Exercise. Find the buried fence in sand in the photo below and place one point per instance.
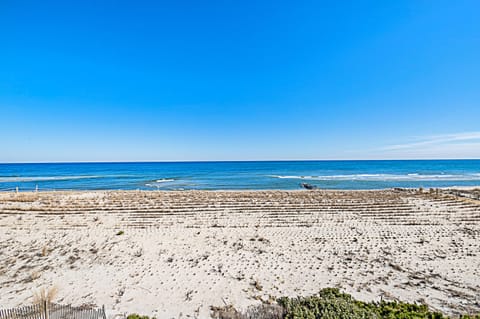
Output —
(46, 310)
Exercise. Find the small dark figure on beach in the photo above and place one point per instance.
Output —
(308, 186)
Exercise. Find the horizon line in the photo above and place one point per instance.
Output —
(237, 161)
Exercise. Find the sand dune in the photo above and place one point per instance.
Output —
(181, 252)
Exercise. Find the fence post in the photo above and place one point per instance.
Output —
(104, 314)
(45, 308)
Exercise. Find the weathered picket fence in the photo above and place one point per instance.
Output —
(47, 310)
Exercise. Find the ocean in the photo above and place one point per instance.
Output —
(259, 175)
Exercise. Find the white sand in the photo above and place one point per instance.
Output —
(198, 249)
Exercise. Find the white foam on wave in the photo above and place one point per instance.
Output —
(11, 179)
(387, 177)
(160, 182)
(164, 180)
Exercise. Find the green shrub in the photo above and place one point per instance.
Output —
(330, 303)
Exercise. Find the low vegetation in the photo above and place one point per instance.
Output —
(330, 303)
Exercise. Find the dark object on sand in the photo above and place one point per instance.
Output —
(308, 186)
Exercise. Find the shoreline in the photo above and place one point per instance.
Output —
(466, 188)
(460, 188)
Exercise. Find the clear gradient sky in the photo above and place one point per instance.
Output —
(238, 80)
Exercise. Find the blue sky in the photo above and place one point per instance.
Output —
(239, 80)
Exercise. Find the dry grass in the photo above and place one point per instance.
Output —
(45, 294)
(261, 311)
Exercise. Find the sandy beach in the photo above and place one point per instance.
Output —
(175, 254)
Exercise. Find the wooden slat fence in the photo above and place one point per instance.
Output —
(53, 311)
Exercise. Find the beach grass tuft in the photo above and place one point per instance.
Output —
(45, 295)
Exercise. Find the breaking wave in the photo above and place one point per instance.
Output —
(386, 177)
(159, 183)
(164, 180)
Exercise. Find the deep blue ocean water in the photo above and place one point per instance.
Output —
(240, 175)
